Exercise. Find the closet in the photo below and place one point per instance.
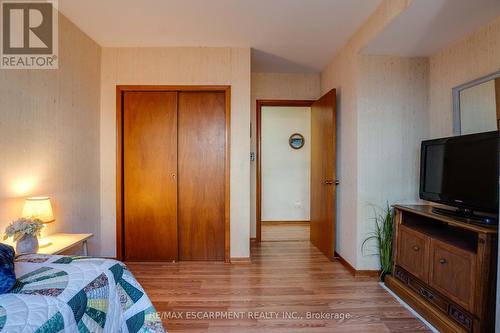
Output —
(173, 175)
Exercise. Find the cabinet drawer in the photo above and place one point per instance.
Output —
(413, 252)
(452, 273)
(440, 302)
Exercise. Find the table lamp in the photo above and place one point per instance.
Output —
(39, 208)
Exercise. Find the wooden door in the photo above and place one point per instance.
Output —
(323, 175)
(201, 163)
(149, 176)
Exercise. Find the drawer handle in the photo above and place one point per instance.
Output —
(426, 294)
(442, 261)
(416, 248)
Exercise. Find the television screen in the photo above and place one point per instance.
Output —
(461, 171)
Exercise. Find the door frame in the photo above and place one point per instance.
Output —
(120, 90)
(258, 135)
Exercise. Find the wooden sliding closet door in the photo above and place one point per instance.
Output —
(149, 175)
(201, 163)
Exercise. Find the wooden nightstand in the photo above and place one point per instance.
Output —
(61, 242)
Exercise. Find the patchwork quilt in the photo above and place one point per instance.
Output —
(76, 294)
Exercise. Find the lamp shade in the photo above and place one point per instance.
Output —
(39, 208)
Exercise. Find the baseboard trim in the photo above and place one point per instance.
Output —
(355, 272)
(241, 260)
(285, 222)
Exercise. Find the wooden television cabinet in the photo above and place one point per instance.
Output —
(445, 269)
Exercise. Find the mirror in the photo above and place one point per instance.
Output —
(296, 141)
(476, 105)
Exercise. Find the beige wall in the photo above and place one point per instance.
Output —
(392, 121)
(179, 66)
(49, 136)
(277, 86)
(472, 57)
(343, 73)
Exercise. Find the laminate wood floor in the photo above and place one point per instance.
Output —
(291, 277)
(278, 232)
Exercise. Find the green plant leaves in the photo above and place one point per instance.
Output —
(382, 236)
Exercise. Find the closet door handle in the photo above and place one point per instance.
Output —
(174, 176)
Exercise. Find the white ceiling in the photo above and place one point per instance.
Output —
(285, 35)
(429, 25)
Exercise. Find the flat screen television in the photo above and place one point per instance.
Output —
(462, 171)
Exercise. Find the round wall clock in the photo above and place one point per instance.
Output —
(296, 141)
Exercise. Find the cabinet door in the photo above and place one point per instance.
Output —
(149, 176)
(452, 271)
(413, 252)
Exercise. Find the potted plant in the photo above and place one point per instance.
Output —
(382, 236)
(24, 231)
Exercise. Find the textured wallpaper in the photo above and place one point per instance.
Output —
(49, 122)
(465, 60)
(179, 66)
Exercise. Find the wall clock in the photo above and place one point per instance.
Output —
(296, 141)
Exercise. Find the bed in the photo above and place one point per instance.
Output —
(55, 293)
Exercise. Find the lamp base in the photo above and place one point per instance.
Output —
(44, 242)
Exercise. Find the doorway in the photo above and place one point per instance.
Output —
(283, 168)
(173, 173)
(278, 195)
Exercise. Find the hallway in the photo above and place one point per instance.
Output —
(292, 277)
(285, 231)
